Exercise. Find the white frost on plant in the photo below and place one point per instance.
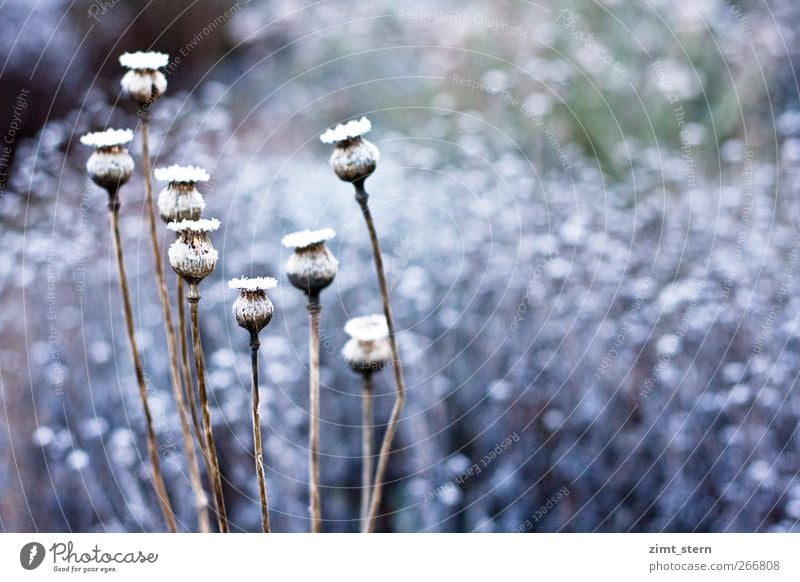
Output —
(367, 328)
(202, 225)
(177, 173)
(306, 238)
(182, 253)
(108, 138)
(254, 284)
(345, 131)
(144, 60)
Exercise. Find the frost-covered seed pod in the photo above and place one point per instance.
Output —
(192, 255)
(110, 166)
(368, 349)
(180, 200)
(253, 310)
(353, 158)
(143, 82)
(312, 266)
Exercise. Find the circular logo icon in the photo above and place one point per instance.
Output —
(31, 555)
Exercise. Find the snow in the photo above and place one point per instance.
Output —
(305, 238)
(185, 174)
(202, 225)
(143, 60)
(367, 327)
(107, 138)
(254, 284)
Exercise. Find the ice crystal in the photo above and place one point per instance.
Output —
(367, 327)
(108, 138)
(202, 225)
(345, 131)
(254, 284)
(307, 238)
(143, 60)
(185, 174)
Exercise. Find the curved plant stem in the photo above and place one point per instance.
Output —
(190, 395)
(258, 450)
(152, 446)
(386, 445)
(212, 461)
(172, 346)
(313, 404)
(366, 443)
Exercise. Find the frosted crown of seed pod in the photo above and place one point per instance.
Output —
(143, 82)
(110, 166)
(253, 310)
(180, 200)
(353, 158)
(312, 267)
(192, 256)
(368, 348)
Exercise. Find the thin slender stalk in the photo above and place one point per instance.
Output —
(172, 347)
(386, 445)
(190, 395)
(212, 461)
(313, 404)
(258, 450)
(366, 443)
(152, 445)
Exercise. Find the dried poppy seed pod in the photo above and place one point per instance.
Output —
(368, 349)
(312, 267)
(110, 166)
(180, 200)
(353, 158)
(253, 310)
(143, 82)
(192, 255)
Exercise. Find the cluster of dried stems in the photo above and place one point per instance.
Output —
(394, 418)
(180, 387)
(152, 445)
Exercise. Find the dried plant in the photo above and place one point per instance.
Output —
(190, 393)
(145, 84)
(193, 257)
(253, 310)
(180, 200)
(311, 268)
(366, 352)
(354, 159)
(110, 167)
